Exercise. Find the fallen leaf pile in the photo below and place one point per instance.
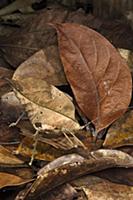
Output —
(66, 123)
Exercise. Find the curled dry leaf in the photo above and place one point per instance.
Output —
(7, 158)
(45, 104)
(45, 64)
(7, 179)
(72, 166)
(121, 132)
(99, 77)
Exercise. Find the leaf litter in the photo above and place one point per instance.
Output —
(89, 62)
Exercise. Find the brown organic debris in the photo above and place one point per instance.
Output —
(7, 158)
(7, 179)
(121, 132)
(96, 188)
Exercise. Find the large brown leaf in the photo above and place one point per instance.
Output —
(99, 77)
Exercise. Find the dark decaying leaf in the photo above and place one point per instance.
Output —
(8, 135)
(117, 175)
(33, 36)
(99, 77)
(4, 73)
(65, 191)
(121, 132)
(96, 188)
(62, 192)
(10, 107)
(72, 166)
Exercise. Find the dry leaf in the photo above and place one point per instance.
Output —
(10, 107)
(20, 5)
(7, 179)
(7, 157)
(45, 64)
(4, 73)
(34, 35)
(8, 135)
(72, 166)
(53, 145)
(117, 175)
(99, 77)
(121, 132)
(128, 56)
(43, 151)
(60, 142)
(100, 189)
(65, 191)
(127, 149)
(107, 190)
(45, 104)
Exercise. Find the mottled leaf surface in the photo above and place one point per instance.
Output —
(46, 104)
(7, 157)
(121, 132)
(99, 77)
(44, 64)
(72, 166)
(7, 179)
(4, 73)
(100, 189)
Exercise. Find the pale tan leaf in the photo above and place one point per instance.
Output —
(45, 104)
(7, 179)
(45, 64)
(128, 56)
(7, 157)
